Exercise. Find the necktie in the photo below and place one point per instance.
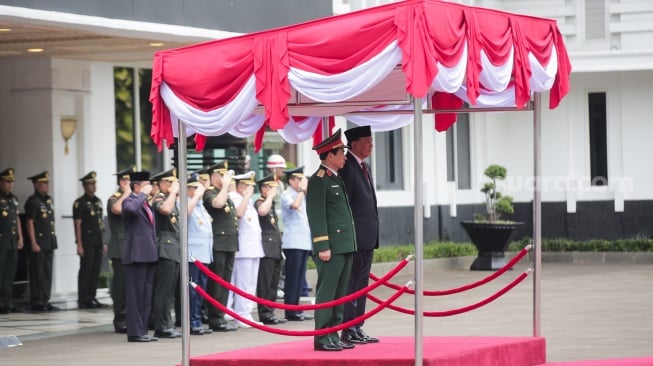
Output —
(366, 172)
(149, 212)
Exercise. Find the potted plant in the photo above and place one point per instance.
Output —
(490, 232)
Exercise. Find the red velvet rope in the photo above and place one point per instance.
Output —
(323, 305)
(458, 310)
(323, 331)
(470, 286)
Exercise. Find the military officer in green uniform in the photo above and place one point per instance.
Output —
(87, 218)
(39, 221)
(334, 240)
(11, 240)
(166, 211)
(116, 242)
(225, 239)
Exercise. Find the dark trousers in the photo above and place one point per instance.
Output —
(40, 277)
(269, 271)
(295, 270)
(358, 280)
(118, 293)
(139, 278)
(223, 266)
(195, 300)
(8, 263)
(89, 273)
(165, 282)
(332, 283)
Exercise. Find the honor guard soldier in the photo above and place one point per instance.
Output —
(225, 239)
(39, 221)
(116, 242)
(87, 218)
(11, 240)
(166, 212)
(334, 240)
(269, 270)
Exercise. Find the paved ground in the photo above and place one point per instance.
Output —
(588, 312)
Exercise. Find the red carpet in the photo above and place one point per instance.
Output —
(643, 361)
(392, 351)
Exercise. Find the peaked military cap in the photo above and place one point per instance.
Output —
(167, 175)
(193, 180)
(297, 172)
(267, 180)
(89, 178)
(353, 134)
(330, 143)
(41, 177)
(140, 176)
(204, 173)
(220, 167)
(7, 175)
(247, 178)
(124, 174)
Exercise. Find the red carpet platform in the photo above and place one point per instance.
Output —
(392, 351)
(641, 361)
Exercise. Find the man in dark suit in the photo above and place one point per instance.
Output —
(39, 221)
(362, 199)
(87, 219)
(116, 242)
(334, 239)
(139, 256)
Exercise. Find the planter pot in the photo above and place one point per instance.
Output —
(491, 240)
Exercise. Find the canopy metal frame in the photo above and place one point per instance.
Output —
(534, 105)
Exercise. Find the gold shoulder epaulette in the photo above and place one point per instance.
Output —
(76, 203)
(117, 194)
(320, 173)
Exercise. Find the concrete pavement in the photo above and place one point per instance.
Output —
(589, 311)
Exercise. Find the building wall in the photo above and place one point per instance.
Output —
(236, 16)
(35, 94)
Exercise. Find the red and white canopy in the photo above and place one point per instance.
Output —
(287, 78)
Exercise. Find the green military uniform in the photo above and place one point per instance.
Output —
(167, 267)
(225, 246)
(332, 228)
(9, 231)
(39, 209)
(88, 209)
(114, 252)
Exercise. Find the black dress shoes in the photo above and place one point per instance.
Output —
(224, 327)
(168, 333)
(345, 345)
(98, 304)
(349, 336)
(142, 339)
(326, 347)
(4, 310)
(200, 331)
(273, 321)
(86, 305)
(50, 307)
(299, 317)
(367, 338)
(121, 329)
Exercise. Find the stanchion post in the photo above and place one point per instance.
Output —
(537, 212)
(183, 241)
(419, 231)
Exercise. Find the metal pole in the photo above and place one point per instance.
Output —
(136, 82)
(183, 236)
(325, 128)
(537, 212)
(419, 231)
